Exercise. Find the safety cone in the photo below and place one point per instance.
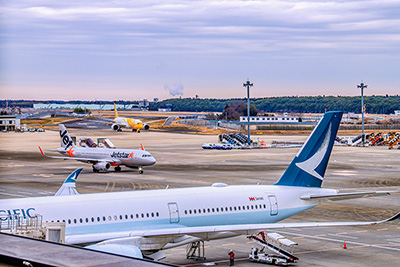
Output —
(345, 246)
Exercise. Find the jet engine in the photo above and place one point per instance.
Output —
(146, 127)
(101, 166)
(116, 127)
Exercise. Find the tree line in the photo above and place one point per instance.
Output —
(299, 104)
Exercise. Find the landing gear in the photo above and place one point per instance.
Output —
(95, 170)
(134, 130)
(140, 169)
(117, 169)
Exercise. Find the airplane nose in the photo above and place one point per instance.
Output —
(151, 161)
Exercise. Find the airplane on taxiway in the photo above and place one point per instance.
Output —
(138, 223)
(102, 158)
(121, 122)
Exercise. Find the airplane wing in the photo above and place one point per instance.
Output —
(68, 187)
(170, 120)
(154, 121)
(92, 160)
(204, 231)
(343, 196)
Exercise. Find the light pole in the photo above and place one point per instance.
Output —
(362, 86)
(248, 85)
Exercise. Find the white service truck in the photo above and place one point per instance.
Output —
(259, 256)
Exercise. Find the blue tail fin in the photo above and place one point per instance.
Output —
(68, 187)
(307, 169)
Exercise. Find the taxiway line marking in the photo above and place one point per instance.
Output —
(230, 244)
(382, 246)
(221, 261)
(319, 250)
(177, 249)
(344, 236)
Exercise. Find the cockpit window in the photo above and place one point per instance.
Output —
(146, 155)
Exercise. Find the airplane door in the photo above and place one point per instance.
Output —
(273, 203)
(173, 212)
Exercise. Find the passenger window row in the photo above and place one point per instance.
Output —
(110, 218)
(226, 209)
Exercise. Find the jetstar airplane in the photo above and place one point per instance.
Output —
(102, 158)
(145, 222)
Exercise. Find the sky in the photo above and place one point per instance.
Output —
(131, 50)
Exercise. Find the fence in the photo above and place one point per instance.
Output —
(284, 127)
(212, 124)
(20, 223)
(342, 127)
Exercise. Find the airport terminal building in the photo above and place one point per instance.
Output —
(141, 105)
(9, 123)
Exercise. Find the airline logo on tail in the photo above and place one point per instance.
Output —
(73, 176)
(310, 165)
(66, 140)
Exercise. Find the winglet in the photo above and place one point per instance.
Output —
(73, 176)
(68, 187)
(41, 151)
(395, 217)
(169, 120)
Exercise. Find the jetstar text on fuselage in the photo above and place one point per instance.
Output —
(122, 155)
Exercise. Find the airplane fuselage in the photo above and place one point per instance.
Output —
(95, 217)
(127, 157)
(135, 124)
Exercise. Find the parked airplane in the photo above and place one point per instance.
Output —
(102, 158)
(146, 222)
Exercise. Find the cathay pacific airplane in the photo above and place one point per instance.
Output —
(102, 158)
(138, 223)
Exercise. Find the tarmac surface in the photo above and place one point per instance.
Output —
(181, 162)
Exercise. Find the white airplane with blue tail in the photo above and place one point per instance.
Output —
(138, 223)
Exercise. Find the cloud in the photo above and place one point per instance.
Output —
(174, 89)
(203, 40)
